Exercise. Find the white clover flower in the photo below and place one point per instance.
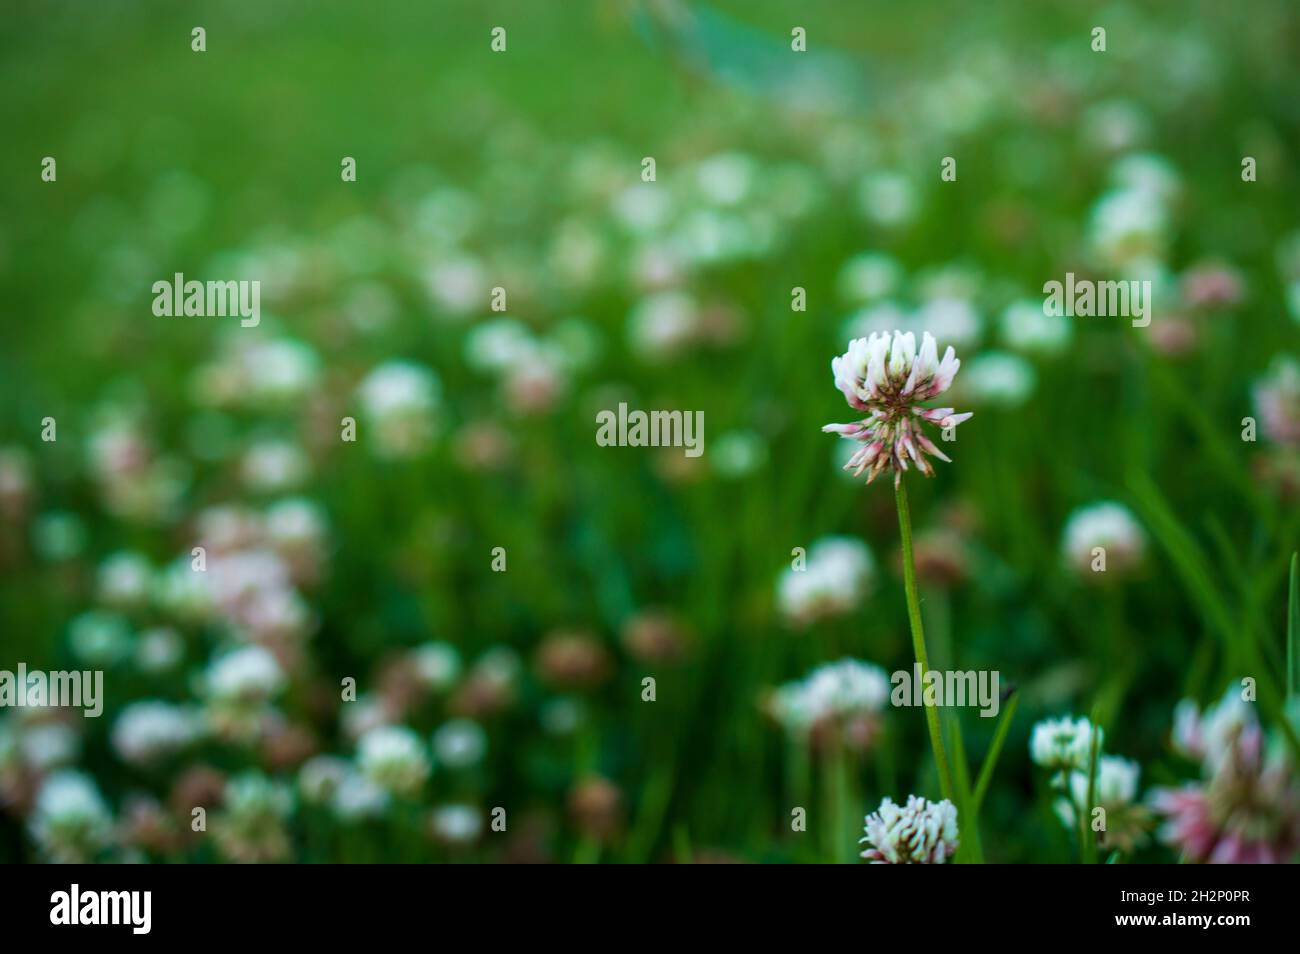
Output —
(124, 580)
(295, 522)
(1148, 173)
(949, 318)
(836, 577)
(273, 466)
(847, 686)
(251, 825)
(1277, 401)
(147, 731)
(100, 638)
(1064, 744)
(437, 665)
(921, 832)
(71, 821)
(357, 797)
(1129, 226)
(663, 324)
(887, 198)
(881, 317)
(888, 379)
(1211, 736)
(838, 690)
(726, 179)
(250, 674)
(1116, 782)
(393, 757)
(460, 743)
(182, 592)
(999, 379)
(869, 277)
(1116, 792)
(457, 285)
(1027, 327)
(158, 650)
(1110, 526)
(401, 400)
(320, 776)
(738, 454)
(456, 824)
(498, 344)
(50, 745)
(642, 209)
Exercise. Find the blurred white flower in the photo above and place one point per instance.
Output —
(358, 796)
(1064, 744)
(1129, 227)
(71, 821)
(150, 730)
(100, 638)
(394, 758)
(999, 379)
(273, 466)
(125, 580)
(1109, 526)
(456, 824)
(949, 318)
(737, 454)
(460, 743)
(437, 665)
(887, 198)
(838, 690)
(1026, 327)
(319, 777)
(250, 674)
(400, 401)
(869, 277)
(458, 285)
(49, 745)
(836, 577)
(663, 324)
(159, 650)
(1277, 401)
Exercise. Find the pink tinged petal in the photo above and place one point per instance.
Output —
(947, 371)
(928, 446)
(847, 430)
(953, 420)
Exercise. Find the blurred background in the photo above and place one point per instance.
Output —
(514, 679)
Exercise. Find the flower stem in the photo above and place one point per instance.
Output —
(918, 638)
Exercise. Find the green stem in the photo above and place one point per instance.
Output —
(918, 637)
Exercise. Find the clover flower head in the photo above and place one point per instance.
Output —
(394, 758)
(918, 833)
(1064, 744)
(835, 578)
(71, 821)
(151, 729)
(888, 378)
(1109, 526)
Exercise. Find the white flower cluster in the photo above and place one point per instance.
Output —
(835, 690)
(920, 832)
(836, 577)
